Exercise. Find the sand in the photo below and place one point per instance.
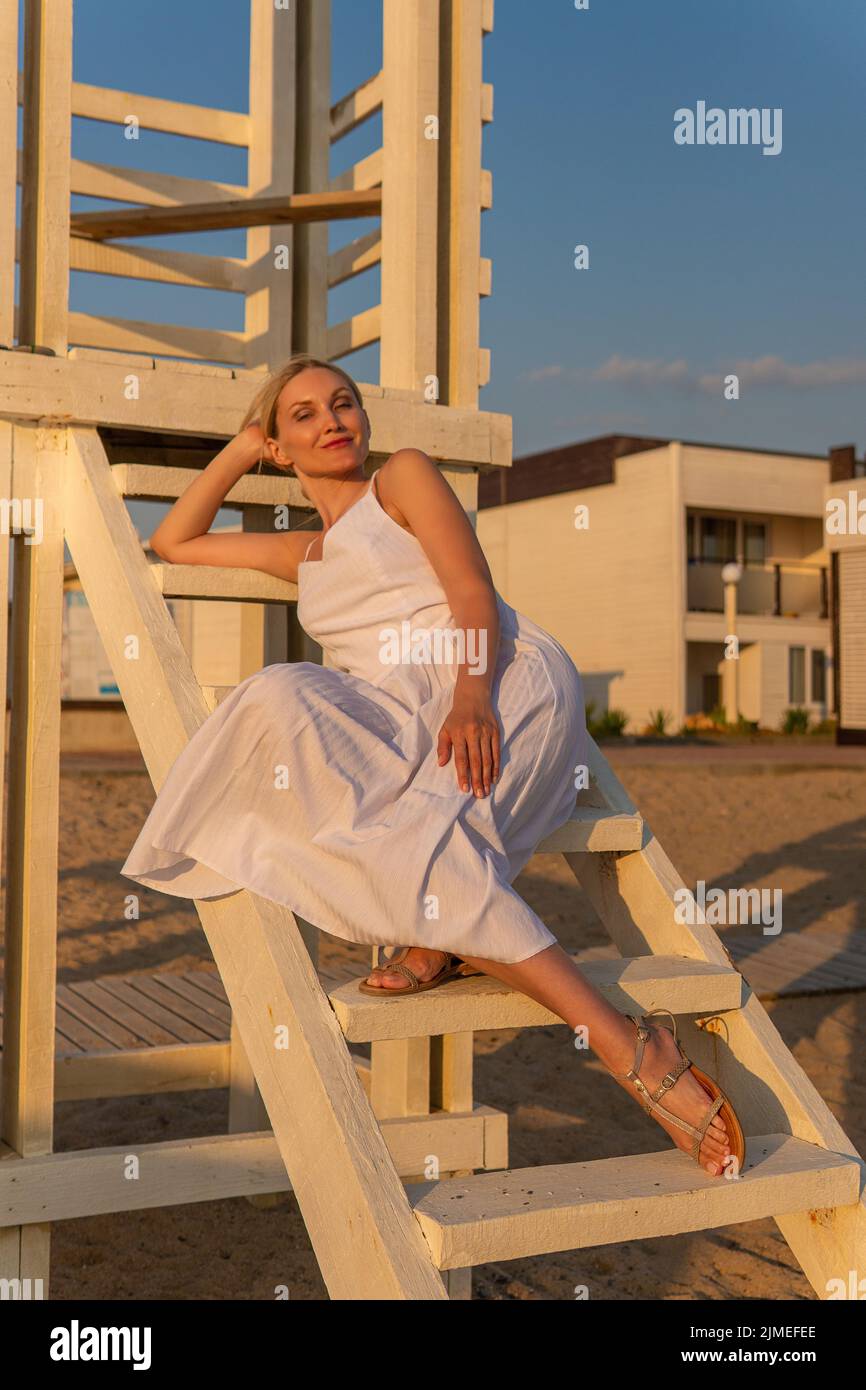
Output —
(801, 831)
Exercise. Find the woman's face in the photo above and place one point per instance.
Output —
(320, 425)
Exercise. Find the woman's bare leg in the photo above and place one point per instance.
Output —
(552, 979)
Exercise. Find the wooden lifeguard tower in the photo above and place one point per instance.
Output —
(395, 1167)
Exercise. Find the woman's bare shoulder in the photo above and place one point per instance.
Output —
(385, 487)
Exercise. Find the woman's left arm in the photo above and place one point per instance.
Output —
(422, 496)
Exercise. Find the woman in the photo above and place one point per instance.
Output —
(329, 789)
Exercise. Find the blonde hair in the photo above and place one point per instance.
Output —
(263, 407)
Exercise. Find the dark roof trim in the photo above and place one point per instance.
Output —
(586, 463)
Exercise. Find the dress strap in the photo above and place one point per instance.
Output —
(309, 547)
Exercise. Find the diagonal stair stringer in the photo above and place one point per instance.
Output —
(367, 1241)
(633, 894)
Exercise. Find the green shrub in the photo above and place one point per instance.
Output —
(611, 724)
(795, 720)
(719, 717)
(659, 720)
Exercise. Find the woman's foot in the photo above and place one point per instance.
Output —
(686, 1099)
(423, 963)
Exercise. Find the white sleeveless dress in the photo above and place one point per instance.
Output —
(320, 787)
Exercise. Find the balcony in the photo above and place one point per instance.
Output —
(772, 591)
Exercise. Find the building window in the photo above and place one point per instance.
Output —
(691, 537)
(796, 675)
(718, 539)
(754, 542)
(819, 676)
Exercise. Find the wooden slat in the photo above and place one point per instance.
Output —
(147, 482)
(147, 187)
(592, 829)
(234, 584)
(210, 981)
(187, 987)
(190, 1016)
(72, 1037)
(150, 263)
(353, 258)
(137, 996)
(70, 1185)
(254, 211)
(365, 176)
(139, 335)
(356, 332)
(111, 1033)
(191, 398)
(355, 107)
(102, 995)
(571, 1206)
(644, 982)
(794, 963)
(143, 1070)
(156, 113)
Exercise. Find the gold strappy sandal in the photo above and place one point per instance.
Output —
(720, 1103)
(454, 968)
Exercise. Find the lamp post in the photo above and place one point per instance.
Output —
(731, 576)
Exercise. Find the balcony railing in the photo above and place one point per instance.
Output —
(772, 591)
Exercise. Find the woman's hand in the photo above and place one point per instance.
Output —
(254, 437)
(472, 730)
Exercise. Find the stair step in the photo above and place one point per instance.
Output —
(595, 829)
(222, 582)
(570, 1206)
(631, 984)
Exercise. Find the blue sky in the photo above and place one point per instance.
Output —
(704, 260)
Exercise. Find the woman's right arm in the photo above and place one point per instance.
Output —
(182, 539)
